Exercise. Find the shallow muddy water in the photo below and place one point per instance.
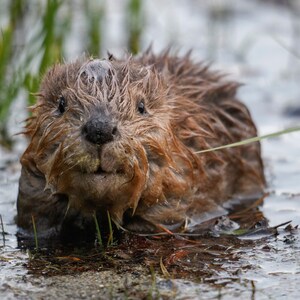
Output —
(256, 43)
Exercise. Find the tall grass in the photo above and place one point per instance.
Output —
(51, 34)
(95, 15)
(2, 231)
(24, 56)
(28, 48)
(19, 52)
(251, 140)
(36, 241)
(98, 232)
(8, 78)
(134, 25)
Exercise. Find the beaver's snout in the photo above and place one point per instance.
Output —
(99, 130)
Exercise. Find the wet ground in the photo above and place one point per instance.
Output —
(257, 43)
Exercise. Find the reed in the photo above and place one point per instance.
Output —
(110, 240)
(252, 140)
(2, 231)
(134, 25)
(153, 292)
(21, 66)
(16, 60)
(99, 237)
(8, 79)
(35, 233)
(95, 13)
(48, 45)
(51, 36)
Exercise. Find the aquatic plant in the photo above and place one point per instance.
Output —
(35, 233)
(153, 292)
(134, 25)
(9, 79)
(95, 15)
(2, 231)
(22, 62)
(252, 139)
(49, 40)
(98, 232)
(110, 240)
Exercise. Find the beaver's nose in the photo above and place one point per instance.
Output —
(99, 131)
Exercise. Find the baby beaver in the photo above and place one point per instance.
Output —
(122, 135)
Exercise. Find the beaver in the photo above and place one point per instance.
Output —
(122, 135)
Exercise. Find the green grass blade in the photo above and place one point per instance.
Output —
(2, 230)
(95, 12)
(134, 25)
(98, 231)
(251, 140)
(111, 233)
(35, 233)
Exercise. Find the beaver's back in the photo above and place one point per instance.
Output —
(207, 114)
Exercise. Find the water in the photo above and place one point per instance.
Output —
(249, 40)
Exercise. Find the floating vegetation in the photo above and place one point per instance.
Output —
(171, 256)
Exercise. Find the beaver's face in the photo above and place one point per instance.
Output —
(99, 132)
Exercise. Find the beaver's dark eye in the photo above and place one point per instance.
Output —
(62, 104)
(141, 107)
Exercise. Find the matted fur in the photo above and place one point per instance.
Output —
(149, 171)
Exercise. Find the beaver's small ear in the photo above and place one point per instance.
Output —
(110, 56)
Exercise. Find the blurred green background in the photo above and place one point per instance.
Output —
(254, 40)
(35, 34)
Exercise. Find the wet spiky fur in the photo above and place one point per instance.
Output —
(150, 171)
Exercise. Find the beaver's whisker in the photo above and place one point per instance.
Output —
(39, 123)
(56, 162)
(52, 138)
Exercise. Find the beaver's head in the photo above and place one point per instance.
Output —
(101, 134)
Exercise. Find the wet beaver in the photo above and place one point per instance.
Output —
(121, 135)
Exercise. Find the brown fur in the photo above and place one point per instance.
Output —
(149, 171)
